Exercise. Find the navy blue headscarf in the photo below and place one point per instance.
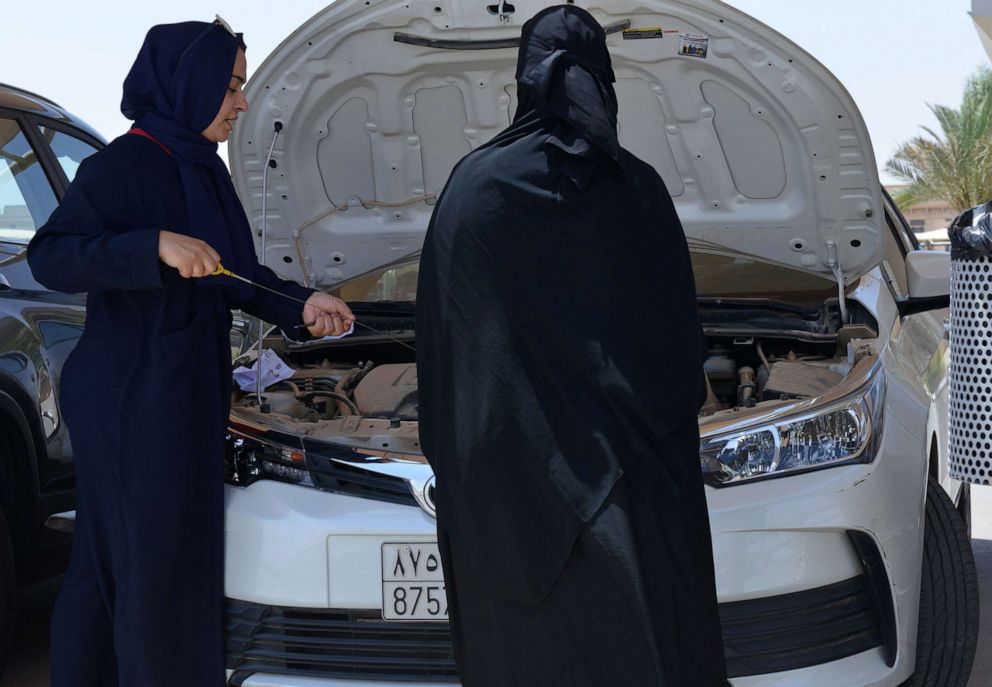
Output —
(174, 90)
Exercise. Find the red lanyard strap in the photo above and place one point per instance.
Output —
(142, 132)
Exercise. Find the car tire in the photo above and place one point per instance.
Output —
(964, 507)
(7, 586)
(948, 623)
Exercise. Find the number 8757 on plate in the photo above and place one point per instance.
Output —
(413, 582)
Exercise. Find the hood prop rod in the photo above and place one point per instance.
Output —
(833, 262)
(276, 128)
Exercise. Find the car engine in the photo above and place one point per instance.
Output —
(740, 373)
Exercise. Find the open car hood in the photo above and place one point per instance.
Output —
(763, 150)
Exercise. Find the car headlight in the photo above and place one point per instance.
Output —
(248, 459)
(841, 432)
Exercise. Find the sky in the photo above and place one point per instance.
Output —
(894, 56)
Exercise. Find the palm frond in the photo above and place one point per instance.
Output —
(952, 162)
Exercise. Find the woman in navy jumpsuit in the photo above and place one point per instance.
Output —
(146, 392)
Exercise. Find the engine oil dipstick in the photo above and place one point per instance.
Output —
(221, 270)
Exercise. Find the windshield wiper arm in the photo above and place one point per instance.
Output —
(393, 308)
(768, 303)
(14, 257)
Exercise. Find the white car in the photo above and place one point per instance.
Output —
(842, 557)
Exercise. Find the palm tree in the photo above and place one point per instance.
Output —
(956, 166)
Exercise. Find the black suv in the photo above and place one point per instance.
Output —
(41, 146)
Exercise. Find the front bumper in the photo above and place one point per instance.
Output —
(762, 636)
(797, 604)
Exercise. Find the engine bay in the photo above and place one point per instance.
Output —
(328, 395)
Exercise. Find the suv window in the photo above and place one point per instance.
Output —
(26, 196)
(69, 150)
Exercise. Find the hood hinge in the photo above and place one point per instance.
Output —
(833, 262)
(504, 12)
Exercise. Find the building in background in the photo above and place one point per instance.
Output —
(928, 216)
(929, 220)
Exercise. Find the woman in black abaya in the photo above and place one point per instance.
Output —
(560, 372)
(147, 390)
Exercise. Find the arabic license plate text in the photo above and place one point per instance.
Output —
(413, 582)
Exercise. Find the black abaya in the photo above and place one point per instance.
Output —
(560, 373)
(616, 614)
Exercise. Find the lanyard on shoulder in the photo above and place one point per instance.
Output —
(141, 132)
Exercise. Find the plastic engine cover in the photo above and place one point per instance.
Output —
(389, 391)
(788, 379)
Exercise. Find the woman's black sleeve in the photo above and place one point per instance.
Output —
(282, 312)
(81, 248)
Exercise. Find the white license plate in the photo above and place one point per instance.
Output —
(413, 582)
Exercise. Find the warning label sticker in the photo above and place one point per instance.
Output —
(694, 45)
(651, 32)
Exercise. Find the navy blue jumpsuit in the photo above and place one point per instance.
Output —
(145, 395)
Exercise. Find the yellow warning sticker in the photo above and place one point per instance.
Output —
(650, 32)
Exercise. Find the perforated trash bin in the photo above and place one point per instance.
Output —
(971, 346)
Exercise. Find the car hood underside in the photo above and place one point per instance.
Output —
(367, 107)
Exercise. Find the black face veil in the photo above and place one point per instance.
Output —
(564, 71)
(559, 354)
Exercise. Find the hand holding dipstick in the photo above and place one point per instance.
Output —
(192, 257)
(321, 305)
(325, 314)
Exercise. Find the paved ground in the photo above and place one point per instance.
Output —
(29, 667)
(29, 654)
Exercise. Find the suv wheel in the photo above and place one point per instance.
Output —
(948, 629)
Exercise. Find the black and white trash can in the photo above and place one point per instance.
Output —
(971, 346)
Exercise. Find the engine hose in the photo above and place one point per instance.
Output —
(337, 397)
(336, 389)
(341, 399)
(341, 387)
(761, 354)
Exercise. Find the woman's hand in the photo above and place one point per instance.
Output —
(330, 315)
(192, 257)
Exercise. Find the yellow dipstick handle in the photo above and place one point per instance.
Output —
(228, 273)
(223, 270)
